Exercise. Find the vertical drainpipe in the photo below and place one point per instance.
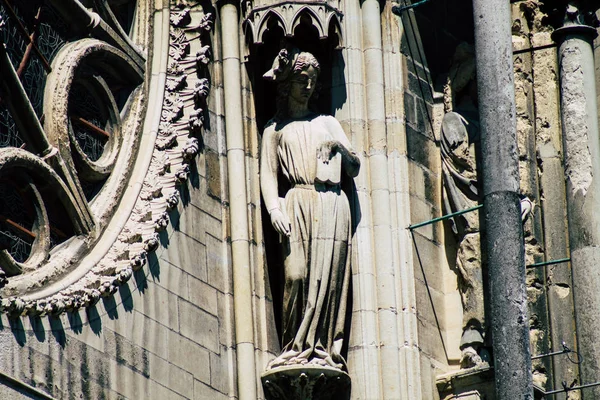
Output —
(501, 205)
(387, 312)
(238, 204)
(579, 117)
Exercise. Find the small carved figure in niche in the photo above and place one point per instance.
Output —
(311, 151)
(460, 143)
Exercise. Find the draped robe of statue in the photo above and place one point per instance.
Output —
(317, 253)
(459, 140)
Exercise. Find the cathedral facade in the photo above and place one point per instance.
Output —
(299, 199)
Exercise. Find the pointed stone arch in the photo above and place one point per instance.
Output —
(289, 15)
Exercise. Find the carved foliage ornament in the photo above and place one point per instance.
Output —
(571, 12)
(69, 134)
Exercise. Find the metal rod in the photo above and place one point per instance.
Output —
(566, 351)
(541, 264)
(399, 9)
(91, 126)
(17, 227)
(535, 48)
(587, 385)
(29, 48)
(25, 34)
(556, 353)
(19, 106)
(444, 217)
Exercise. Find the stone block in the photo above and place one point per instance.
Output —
(160, 304)
(212, 225)
(157, 391)
(419, 87)
(423, 211)
(396, 135)
(140, 329)
(181, 381)
(431, 305)
(205, 392)
(200, 163)
(415, 67)
(126, 352)
(427, 380)
(87, 336)
(199, 326)
(213, 174)
(202, 295)
(422, 149)
(430, 338)
(190, 221)
(159, 369)
(203, 201)
(189, 356)
(364, 294)
(222, 370)
(187, 254)
(424, 113)
(225, 315)
(363, 362)
(218, 265)
(429, 265)
(409, 108)
(127, 383)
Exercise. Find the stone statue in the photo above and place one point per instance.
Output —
(460, 143)
(310, 151)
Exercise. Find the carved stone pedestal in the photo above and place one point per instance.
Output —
(472, 384)
(306, 382)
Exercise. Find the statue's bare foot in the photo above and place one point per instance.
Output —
(470, 358)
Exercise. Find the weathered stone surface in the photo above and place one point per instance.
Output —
(306, 383)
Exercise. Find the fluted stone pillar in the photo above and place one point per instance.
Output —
(574, 36)
(502, 216)
(238, 203)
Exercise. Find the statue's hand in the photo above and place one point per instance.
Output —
(327, 149)
(280, 222)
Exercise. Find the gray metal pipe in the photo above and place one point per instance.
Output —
(501, 205)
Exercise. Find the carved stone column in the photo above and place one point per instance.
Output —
(502, 214)
(575, 22)
(238, 203)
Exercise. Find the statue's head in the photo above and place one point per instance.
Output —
(296, 74)
(461, 77)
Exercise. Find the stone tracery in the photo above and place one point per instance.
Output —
(88, 131)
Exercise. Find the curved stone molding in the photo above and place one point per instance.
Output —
(33, 169)
(74, 62)
(125, 243)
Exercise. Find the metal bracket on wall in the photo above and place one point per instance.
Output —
(400, 9)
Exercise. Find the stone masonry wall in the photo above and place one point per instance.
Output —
(439, 309)
(163, 335)
(167, 333)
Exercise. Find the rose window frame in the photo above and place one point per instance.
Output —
(95, 175)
